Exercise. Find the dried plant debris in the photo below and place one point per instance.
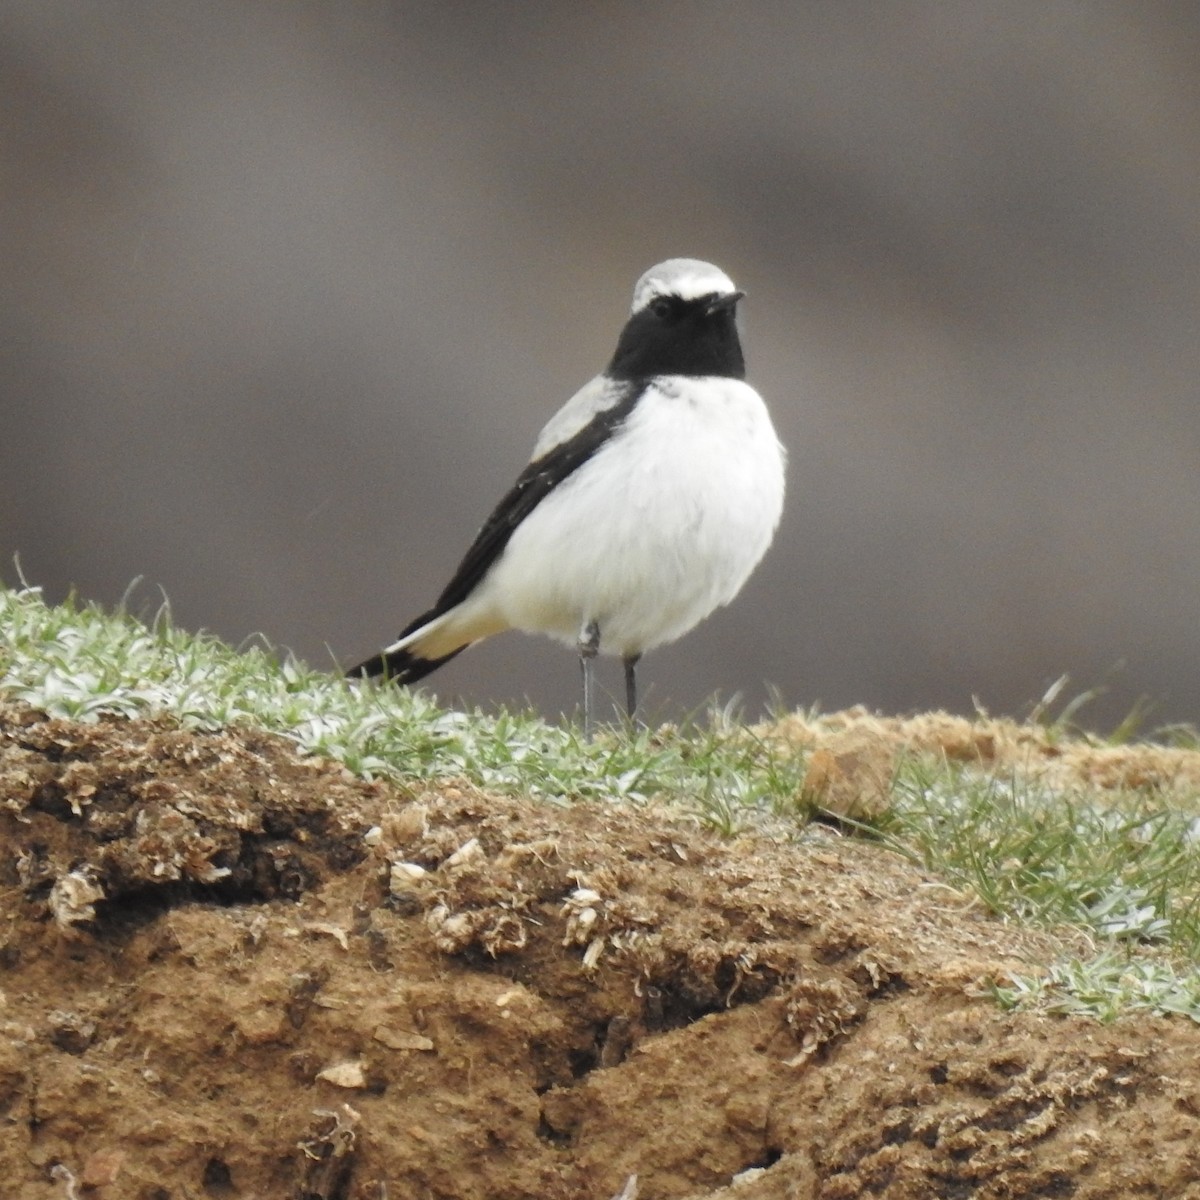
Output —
(328, 1154)
(233, 972)
(237, 816)
(859, 749)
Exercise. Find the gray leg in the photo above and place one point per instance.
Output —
(631, 662)
(589, 644)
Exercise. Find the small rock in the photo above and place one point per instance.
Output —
(401, 1039)
(71, 1032)
(101, 1168)
(345, 1074)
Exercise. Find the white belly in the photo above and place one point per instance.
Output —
(663, 525)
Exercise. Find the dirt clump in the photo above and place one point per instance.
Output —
(231, 972)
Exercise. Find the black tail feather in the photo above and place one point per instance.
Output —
(403, 666)
(399, 667)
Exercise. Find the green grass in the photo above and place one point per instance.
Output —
(1122, 871)
(79, 662)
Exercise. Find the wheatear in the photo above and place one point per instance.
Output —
(650, 497)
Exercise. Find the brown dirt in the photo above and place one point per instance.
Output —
(229, 972)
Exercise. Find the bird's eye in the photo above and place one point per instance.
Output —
(661, 308)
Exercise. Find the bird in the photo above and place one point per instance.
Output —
(650, 497)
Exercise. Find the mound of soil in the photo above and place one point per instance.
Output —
(231, 972)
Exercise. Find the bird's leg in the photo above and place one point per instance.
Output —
(631, 662)
(589, 645)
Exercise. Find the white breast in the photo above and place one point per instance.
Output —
(661, 526)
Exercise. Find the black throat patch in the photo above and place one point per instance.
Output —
(671, 336)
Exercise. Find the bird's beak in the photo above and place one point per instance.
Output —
(723, 303)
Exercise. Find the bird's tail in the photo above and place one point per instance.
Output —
(427, 643)
(399, 666)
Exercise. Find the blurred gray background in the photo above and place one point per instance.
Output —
(287, 291)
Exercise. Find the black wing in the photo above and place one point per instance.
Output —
(533, 485)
